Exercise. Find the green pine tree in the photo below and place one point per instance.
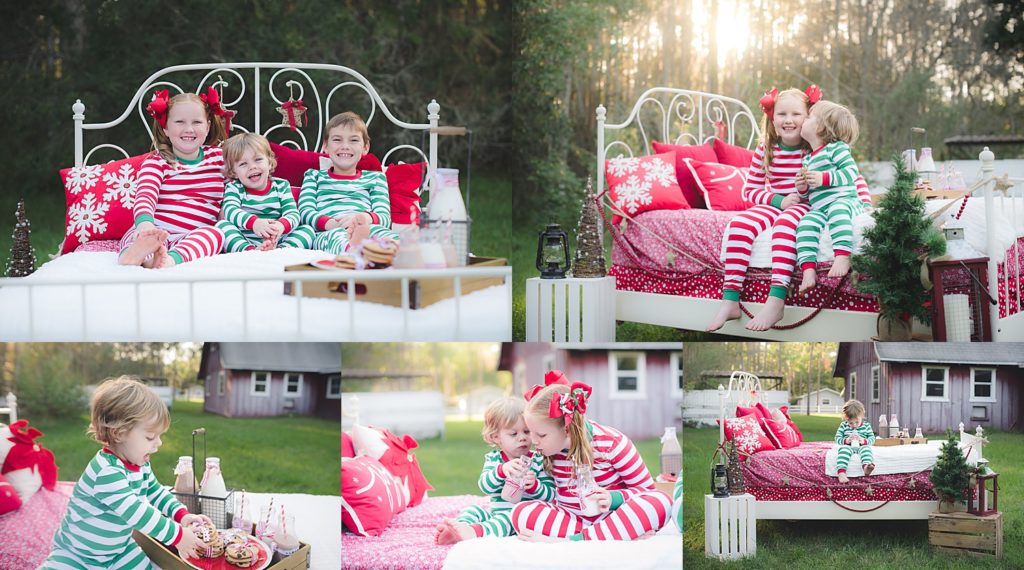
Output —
(890, 259)
(950, 476)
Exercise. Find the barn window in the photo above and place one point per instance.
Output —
(292, 385)
(826, 402)
(983, 384)
(934, 383)
(979, 413)
(260, 384)
(334, 387)
(220, 383)
(676, 373)
(627, 373)
(853, 386)
(875, 385)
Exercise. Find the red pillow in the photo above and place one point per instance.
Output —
(721, 184)
(26, 464)
(404, 182)
(399, 460)
(684, 177)
(731, 154)
(784, 411)
(746, 432)
(99, 201)
(292, 163)
(348, 449)
(370, 496)
(9, 499)
(758, 410)
(642, 184)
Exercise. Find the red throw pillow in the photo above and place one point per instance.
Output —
(783, 411)
(721, 184)
(99, 201)
(404, 183)
(348, 449)
(292, 163)
(401, 462)
(26, 465)
(758, 410)
(642, 184)
(731, 154)
(9, 499)
(746, 432)
(684, 177)
(370, 496)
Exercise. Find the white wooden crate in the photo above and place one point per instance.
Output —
(730, 526)
(570, 310)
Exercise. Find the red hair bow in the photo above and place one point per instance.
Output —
(565, 405)
(157, 108)
(813, 94)
(550, 377)
(768, 102)
(212, 99)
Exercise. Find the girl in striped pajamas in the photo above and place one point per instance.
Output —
(259, 211)
(118, 492)
(828, 180)
(855, 436)
(628, 505)
(505, 430)
(181, 185)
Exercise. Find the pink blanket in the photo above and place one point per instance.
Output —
(28, 532)
(408, 542)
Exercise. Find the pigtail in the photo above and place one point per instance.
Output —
(162, 144)
(580, 450)
(218, 131)
(768, 140)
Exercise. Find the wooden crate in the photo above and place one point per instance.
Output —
(730, 527)
(891, 441)
(964, 533)
(168, 558)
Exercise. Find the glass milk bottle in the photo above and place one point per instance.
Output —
(883, 426)
(586, 486)
(185, 483)
(894, 426)
(671, 453)
(213, 481)
(512, 492)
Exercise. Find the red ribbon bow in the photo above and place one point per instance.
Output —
(813, 94)
(550, 377)
(291, 106)
(565, 405)
(157, 108)
(768, 102)
(212, 99)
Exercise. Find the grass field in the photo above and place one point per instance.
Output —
(264, 455)
(453, 465)
(801, 545)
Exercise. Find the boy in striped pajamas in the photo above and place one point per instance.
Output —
(118, 492)
(855, 436)
(504, 429)
(344, 204)
(259, 211)
(828, 180)
(622, 503)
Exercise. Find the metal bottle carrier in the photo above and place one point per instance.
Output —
(219, 509)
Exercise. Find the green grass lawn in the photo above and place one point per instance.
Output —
(847, 544)
(264, 455)
(453, 465)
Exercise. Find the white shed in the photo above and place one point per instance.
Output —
(419, 414)
(825, 400)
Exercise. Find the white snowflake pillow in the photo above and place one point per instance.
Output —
(99, 201)
(646, 183)
(748, 435)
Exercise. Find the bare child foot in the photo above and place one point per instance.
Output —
(843, 478)
(728, 311)
(840, 267)
(646, 535)
(358, 234)
(152, 259)
(161, 260)
(147, 242)
(267, 245)
(531, 536)
(770, 314)
(454, 532)
(868, 469)
(809, 281)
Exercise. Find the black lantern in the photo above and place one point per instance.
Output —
(553, 253)
(719, 481)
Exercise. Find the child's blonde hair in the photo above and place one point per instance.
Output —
(770, 137)
(162, 144)
(836, 122)
(580, 450)
(853, 409)
(120, 404)
(347, 119)
(236, 146)
(500, 414)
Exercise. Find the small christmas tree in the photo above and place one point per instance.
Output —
(22, 261)
(950, 475)
(589, 262)
(735, 471)
(894, 249)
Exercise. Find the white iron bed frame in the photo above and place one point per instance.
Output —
(682, 116)
(261, 83)
(748, 386)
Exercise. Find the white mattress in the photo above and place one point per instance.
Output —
(893, 459)
(110, 309)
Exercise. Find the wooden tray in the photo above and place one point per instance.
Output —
(890, 441)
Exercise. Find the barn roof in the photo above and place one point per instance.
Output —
(1005, 353)
(321, 357)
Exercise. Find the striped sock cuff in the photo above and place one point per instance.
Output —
(178, 260)
(730, 295)
(778, 291)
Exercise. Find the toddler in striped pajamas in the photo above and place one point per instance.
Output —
(828, 180)
(505, 430)
(344, 204)
(259, 211)
(181, 185)
(118, 492)
(855, 436)
(619, 503)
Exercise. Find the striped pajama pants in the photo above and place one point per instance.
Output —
(336, 241)
(191, 245)
(488, 522)
(846, 451)
(838, 216)
(744, 229)
(241, 239)
(131, 558)
(638, 515)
